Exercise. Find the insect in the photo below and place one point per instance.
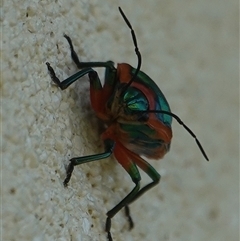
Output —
(138, 119)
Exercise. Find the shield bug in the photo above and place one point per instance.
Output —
(138, 119)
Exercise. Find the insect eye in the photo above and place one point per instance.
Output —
(134, 100)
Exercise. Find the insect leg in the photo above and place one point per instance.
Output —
(149, 170)
(80, 65)
(98, 97)
(131, 168)
(86, 68)
(128, 215)
(65, 83)
(109, 146)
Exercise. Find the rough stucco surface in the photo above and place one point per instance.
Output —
(190, 48)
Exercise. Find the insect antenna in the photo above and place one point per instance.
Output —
(136, 50)
(186, 128)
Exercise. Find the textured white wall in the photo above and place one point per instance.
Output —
(190, 48)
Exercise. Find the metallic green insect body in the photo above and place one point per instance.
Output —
(138, 118)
